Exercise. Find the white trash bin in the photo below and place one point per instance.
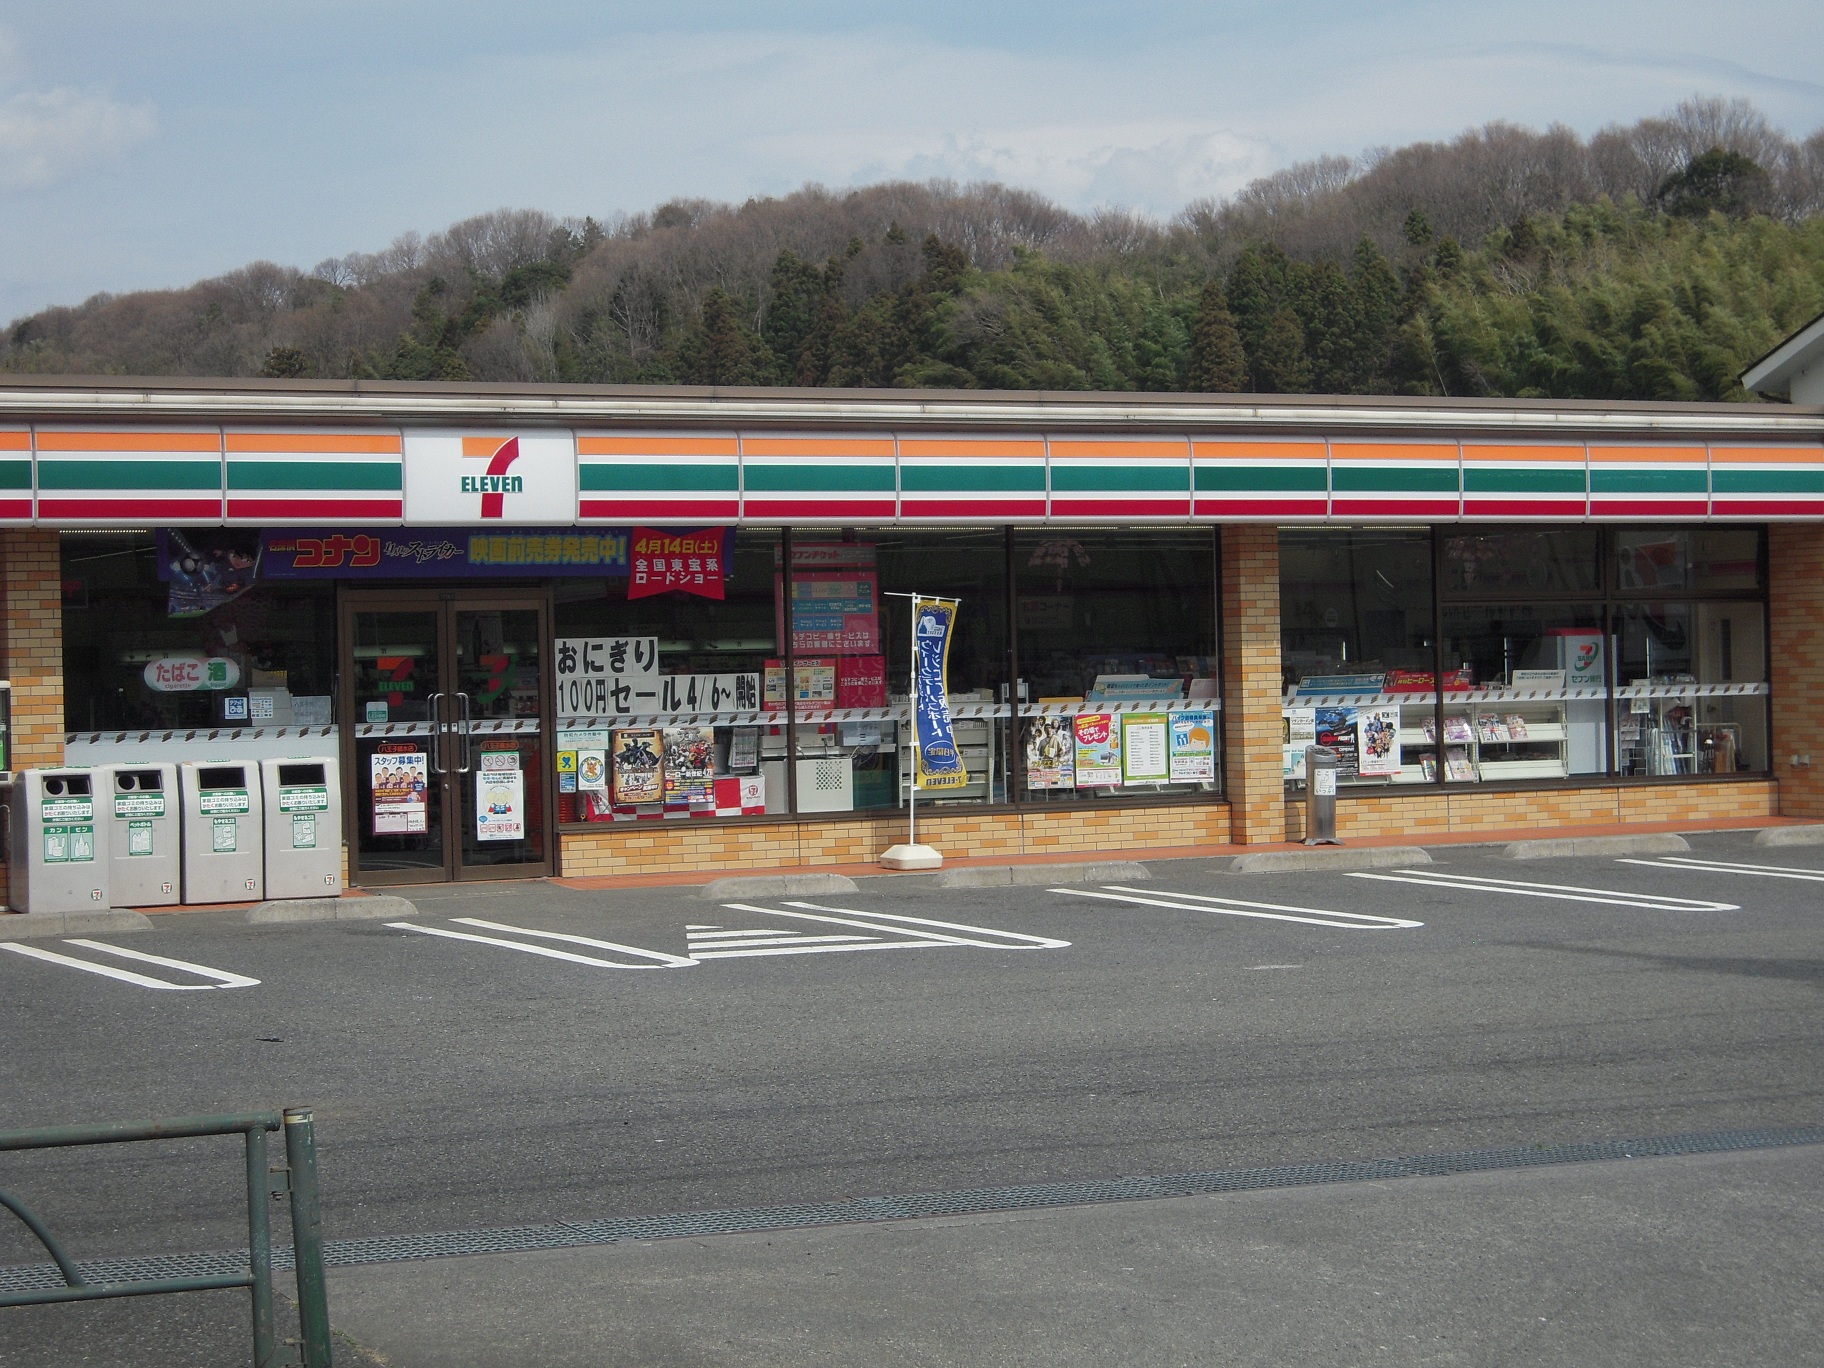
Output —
(224, 854)
(56, 865)
(145, 854)
(303, 827)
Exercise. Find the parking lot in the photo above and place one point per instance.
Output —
(517, 1054)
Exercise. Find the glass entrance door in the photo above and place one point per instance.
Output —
(445, 749)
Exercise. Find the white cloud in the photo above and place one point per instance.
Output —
(47, 135)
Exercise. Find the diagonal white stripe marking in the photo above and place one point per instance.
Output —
(1371, 920)
(924, 937)
(221, 976)
(1311, 916)
(789, 938)
(1563, 892)
(669, 961)
(836, 949)
(1723, 867)
(521, 946)
(1040, 942)
(106, 970)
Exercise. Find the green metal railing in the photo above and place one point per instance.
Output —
(297, 1177)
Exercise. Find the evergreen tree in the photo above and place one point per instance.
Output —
(1218, 364)
(1282, 364)
(1252, 302)
(1328, 313)
(1717, 182)
(722, 349)
(1377, 311)
(286, 363)
(791, 315)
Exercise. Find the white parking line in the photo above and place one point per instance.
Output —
(1475, 883)
(1236, 907)
(1725, 867)
(1036, 942)
(223, 979)
(670, 961)
(891, 931)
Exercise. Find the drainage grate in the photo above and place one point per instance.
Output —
(966, 1201)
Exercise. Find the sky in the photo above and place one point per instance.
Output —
(151, 145)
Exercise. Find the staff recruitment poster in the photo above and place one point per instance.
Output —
(940, 764)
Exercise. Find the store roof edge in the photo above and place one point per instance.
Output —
(56, 399)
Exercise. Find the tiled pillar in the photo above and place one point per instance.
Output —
(31, 653)
(1795, 628)
(1252, 729)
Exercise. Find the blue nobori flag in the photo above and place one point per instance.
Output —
(940, 765)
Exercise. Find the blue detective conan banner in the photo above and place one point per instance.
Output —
(940, 766)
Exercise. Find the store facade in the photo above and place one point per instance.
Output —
(583, 631)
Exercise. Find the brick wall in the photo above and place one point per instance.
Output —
(685, 846)
(31, 651)
(1253, 731)
(1795, 633)
(1432, 813)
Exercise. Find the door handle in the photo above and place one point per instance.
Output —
(468, 730)
(435, 703)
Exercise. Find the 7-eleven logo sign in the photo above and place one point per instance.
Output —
(495, 483)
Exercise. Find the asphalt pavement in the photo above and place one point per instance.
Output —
(525, 1056)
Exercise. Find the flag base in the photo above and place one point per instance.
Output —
(908, 857)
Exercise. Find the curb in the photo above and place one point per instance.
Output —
(775, 885)
(23, 925)
(282, 910)
(1790, 836)
(1324, 858)
(1662, 843)
(1002, 876)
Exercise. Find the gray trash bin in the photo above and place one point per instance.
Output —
(303, 827)
(145, 856)
(56, 864)
(224, 854)
(1321, 765)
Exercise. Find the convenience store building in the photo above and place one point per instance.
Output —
(583, 630)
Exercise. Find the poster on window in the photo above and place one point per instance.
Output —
(1145, 748)
(835, 609)
(1336, 730)
(1377, 744)
(500, 797)
(397, 780)
(1098, 750)
(1300, 731)
(1051, 754)
(1193, 746)
(637, 760)
(690, 764)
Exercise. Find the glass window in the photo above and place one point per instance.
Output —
(1117, 660)
(852, 646)
(663, 700)
(178, 631)
(1552, 560)
(1686, 701)
(1541, 710)
(1355, 602)
(1680, 560)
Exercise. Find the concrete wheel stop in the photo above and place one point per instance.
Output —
(1323, 859)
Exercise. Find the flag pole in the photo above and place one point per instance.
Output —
(912, 855)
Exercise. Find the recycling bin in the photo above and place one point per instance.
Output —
(303, 827)
(224, 855)
(1321, 765)
(54, 865)
(145, 856)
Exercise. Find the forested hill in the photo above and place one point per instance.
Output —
(1652, 261)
